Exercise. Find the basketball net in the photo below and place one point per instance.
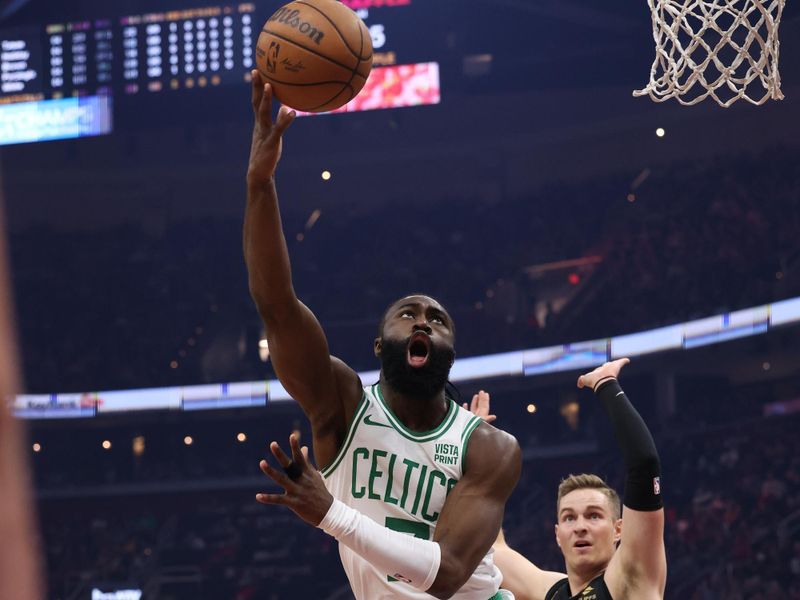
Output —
(723, 49)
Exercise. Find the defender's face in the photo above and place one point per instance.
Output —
(587, 530)
(422, 325)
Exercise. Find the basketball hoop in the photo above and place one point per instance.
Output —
(723, 49)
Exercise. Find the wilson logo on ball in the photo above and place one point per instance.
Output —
(292, 19)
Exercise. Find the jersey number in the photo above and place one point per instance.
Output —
(418, 530)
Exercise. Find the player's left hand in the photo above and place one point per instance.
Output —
(267, 143)
(307, 495)
(609, 370)
(481, 406)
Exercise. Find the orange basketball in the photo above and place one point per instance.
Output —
(317, 54)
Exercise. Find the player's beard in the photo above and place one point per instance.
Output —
(418, 382)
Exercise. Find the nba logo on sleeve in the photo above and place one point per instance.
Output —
(656, 485)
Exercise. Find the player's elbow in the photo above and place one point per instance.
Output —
(452, 575)
(259, 293)
(648, 463)
(273, 307)
(444, 589)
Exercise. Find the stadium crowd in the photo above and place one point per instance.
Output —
(138, 307)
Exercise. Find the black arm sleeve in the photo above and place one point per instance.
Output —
(643, 483)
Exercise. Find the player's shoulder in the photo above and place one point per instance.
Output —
(559, 590)
(491, 438)
(492, 450)
(600, 587)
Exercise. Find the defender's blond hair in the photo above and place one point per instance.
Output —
(588, 481)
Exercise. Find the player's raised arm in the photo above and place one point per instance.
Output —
(520, 576)
(639, 567)
(324, 387)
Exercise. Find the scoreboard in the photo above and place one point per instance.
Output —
(58, 79)
(191, 47)
(182, 48)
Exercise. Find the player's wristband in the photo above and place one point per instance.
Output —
(401, 556)
(643, 483)
(601, 381)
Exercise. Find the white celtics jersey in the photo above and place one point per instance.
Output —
(400, 479)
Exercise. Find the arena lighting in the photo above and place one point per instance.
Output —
(558, 265)
(326, 175)
(660, 132)
(316, 213)
(263, 349)
(106, 445)
(132, 594)
(37, 447)
(571, 411)
(572, 356)
(241, 437)
(531, 408)
(188, 440)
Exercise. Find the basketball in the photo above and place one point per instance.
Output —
(317, 54)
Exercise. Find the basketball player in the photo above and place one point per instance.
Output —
(589, 526)
(417, 484)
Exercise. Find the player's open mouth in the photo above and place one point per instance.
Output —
(418, 347)
(582, 545)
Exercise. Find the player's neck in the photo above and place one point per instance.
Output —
(579, 580)
(416, 413)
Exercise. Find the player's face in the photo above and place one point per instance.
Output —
(587, 530)
(416, 348)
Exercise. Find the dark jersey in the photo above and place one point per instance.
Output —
(595, 590)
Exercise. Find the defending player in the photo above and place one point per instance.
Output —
(589, 526)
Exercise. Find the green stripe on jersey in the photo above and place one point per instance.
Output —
(465, 435)
(417, 436)
(470, 424)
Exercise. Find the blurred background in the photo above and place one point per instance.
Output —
(497, 161)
